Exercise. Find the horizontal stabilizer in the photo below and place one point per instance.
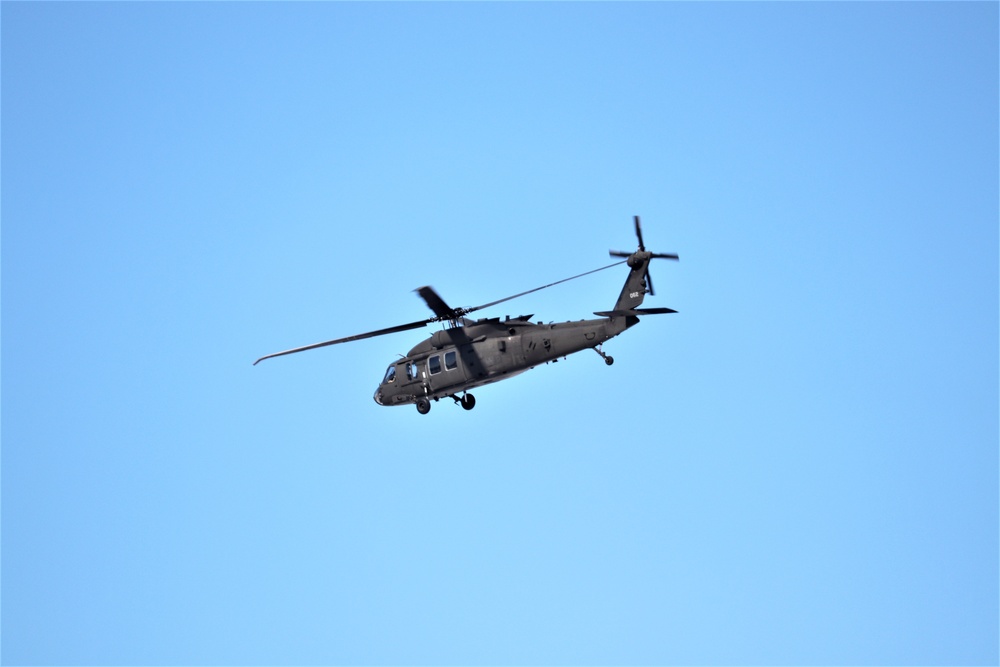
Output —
(635, 312)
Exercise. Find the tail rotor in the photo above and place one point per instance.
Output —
(635, 259)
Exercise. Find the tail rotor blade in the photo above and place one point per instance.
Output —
(649, 283)
(664, 255)
(638, 232)
(619, 253)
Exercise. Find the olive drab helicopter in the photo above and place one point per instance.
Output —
(472, 353)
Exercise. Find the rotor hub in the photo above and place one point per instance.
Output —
(636, 259)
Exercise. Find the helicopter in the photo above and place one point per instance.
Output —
(467, 354)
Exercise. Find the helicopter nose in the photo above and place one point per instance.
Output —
(378, 396)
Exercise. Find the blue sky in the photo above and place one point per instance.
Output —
(801, 467)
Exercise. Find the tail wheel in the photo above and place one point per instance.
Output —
(468, 402)
(423, 406)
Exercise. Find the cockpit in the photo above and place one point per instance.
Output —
(389, 379)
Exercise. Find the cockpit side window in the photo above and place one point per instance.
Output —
(434, 365)
(411, 371)
(390, 375)
(450, 360)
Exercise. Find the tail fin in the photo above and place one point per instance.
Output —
(634, 290)
(639, 283)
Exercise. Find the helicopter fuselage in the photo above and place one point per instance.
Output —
(483, 351)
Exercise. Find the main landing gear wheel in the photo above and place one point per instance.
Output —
(423, 406)
(468, 402)
(609, 360)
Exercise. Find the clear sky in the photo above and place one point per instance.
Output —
(800, 467)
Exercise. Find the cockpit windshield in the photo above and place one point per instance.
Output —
(390, 375)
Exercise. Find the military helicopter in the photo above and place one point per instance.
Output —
(472, 353)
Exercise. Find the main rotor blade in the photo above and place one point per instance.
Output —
(638, 232)
(370, 334)
(436, 303)
(493, 303)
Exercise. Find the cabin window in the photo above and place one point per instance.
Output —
(450, 360)
(390, 375)
(434, 365)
